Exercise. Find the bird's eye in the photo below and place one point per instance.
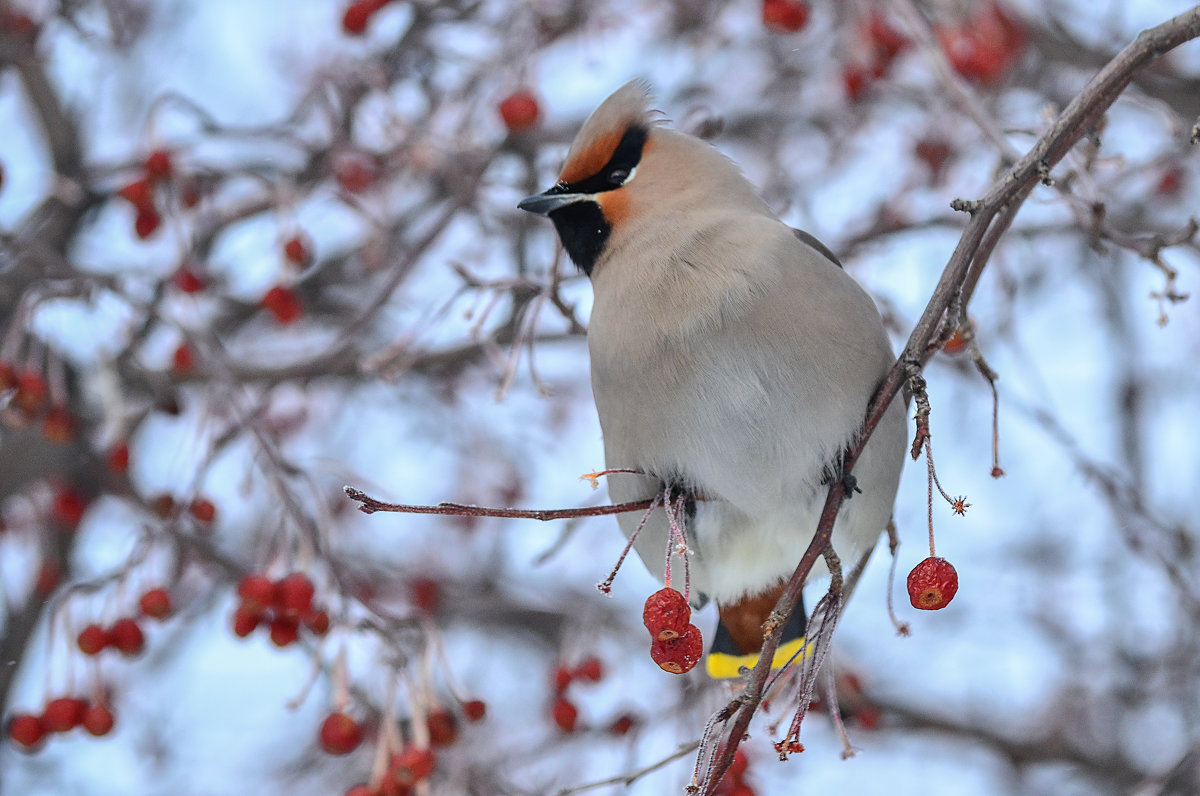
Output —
(618, 176)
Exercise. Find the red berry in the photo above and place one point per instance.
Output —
(362, 790)
(189, 194)
(297, 251)
(443, 727)
(340, 734)
(519, 112)
(126, 635)
(359, 14)
(188, 280)
(203, 510)
(679, 655)
(118, 458)
(147, 221)
(283, 304)
(317, 622)
(155, 604)
(856, 80)
(139, 193)
(562, 678)
(58, 425)
(934, 151)
(590, 669)
(475, 710)
(426, 594)
(97, 719)
(26, 730)
(163, 506)
(93, 639)
(666, 614)
(284, 631)
(411, 765)
(183, 360)
(956, 344)
(257, 592)
(622, 725)
(245, 621)
(565, 715)
(737, 769)
(1170, 182)
(932, 584)
(158, 165)
(887, 41)
(31, 391)
(69, 506)
(355, 171)
(63, 714)
(784, 16)
(48, 578)
(294, 595)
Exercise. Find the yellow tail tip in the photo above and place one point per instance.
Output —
(723, 666)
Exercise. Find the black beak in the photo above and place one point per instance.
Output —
(543, 204)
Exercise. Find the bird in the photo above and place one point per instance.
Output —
(732, 361)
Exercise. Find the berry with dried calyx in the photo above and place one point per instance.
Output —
(932, 584)
(666, 614)
(681, 654)
(340, 734)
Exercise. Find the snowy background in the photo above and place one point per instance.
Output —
(1068, 662)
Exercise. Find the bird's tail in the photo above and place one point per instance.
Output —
(739, 635)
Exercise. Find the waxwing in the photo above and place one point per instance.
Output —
(732, 360)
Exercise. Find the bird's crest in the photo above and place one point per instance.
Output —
(628, 106)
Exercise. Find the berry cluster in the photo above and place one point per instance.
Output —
(30, 397)
(58, 716)
(283, 606)
(676, 644)
(157, 168)
(563, 710)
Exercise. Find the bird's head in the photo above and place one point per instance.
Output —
(626, 170)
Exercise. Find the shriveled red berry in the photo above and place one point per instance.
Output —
(784, 16)
(298, 251)
(475, 709)
(590, 669)
(411, 765)
(126, 635)
(155, 604)
(283, 304)
(340, 734)
(203, 510)
(93, 639)
(26, 730)
(932, 584)
(245, 621)
(519, 111)
(565, 714)
(257, 592)
(63, 714)
(158, 165)
(98, 719)
(666, 614)
(284, 630)
(294, 595)
(679, 655)
(443, 727)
